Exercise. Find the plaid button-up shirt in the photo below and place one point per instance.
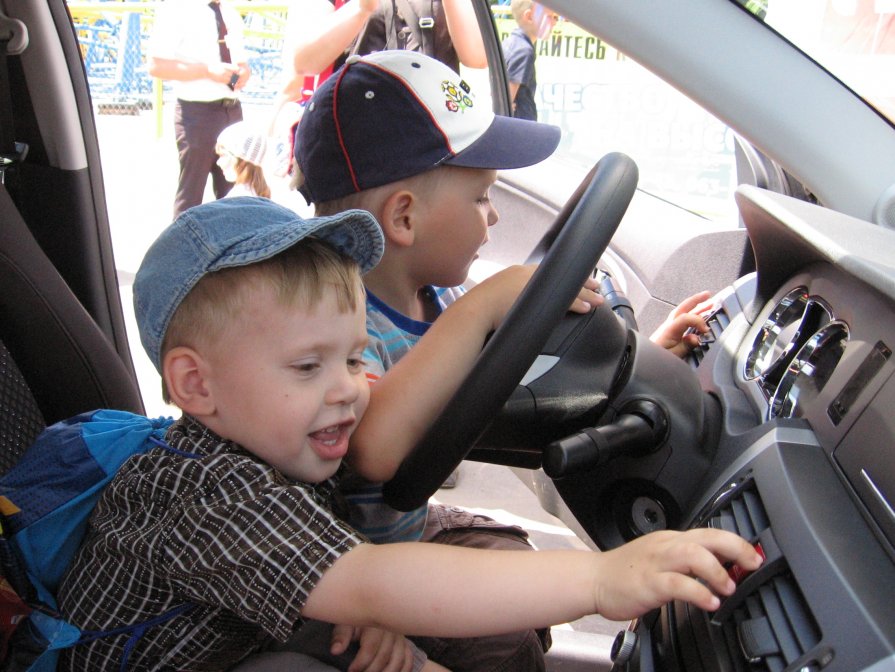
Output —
(222, 531)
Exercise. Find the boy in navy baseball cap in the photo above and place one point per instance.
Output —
(403, 136)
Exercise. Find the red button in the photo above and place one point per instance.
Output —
(737, 573)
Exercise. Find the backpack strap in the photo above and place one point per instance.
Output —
(161, 443)
(422, 27)
(390, 21)
(136, 631)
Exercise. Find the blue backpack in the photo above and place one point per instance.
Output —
(45, 502)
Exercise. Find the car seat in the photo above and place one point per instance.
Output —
(55, 361)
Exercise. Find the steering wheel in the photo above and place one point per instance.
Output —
(585, 226)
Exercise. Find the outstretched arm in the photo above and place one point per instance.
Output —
(316, 35)
(465, 33)
(689, 314)
(482, 592)
(405, 401)
(185, 71)
(319, 34)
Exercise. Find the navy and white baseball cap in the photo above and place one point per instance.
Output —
(234, 232)
(395, 114)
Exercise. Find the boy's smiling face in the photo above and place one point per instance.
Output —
(288, 382)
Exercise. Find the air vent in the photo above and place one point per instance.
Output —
(809, 371)
(767, 624)
(779, 334)
(772, 628)
(798, 320)
(740, 512)
(717, 322)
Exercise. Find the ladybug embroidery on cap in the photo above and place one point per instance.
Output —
(457, 95)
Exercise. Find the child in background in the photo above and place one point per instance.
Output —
(241, 150)
(534, 22)
(255, 319)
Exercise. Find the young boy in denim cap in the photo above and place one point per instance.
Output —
(238, 522)
(254, 318)
(403, 136)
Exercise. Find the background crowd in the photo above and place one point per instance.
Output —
(200, 49)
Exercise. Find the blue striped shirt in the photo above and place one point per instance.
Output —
(391, 337)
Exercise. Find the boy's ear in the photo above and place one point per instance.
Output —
(398, 217)
(529, 15)
(184, 373)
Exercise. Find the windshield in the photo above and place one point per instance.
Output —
(853, 39)
(605, 102)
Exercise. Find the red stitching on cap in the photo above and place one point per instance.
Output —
(339, 129)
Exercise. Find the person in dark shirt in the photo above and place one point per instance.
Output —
(533, 22)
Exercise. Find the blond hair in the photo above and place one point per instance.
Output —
(519, 7)
(371, 199)
(298, 276)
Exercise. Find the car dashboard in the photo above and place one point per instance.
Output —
(799, 360)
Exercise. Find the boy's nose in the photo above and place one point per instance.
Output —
(344, 388)
(493, 216)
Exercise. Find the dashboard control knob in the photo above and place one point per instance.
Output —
(623, 647)
(648, 515)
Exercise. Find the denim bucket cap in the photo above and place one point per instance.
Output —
(234, 232)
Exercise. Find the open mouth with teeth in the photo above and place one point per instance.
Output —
(331, 443)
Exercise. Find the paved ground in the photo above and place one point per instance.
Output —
(140, 169)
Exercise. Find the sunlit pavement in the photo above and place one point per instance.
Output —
(140, 169)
